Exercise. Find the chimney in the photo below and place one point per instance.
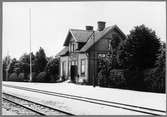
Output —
(89, 27)
(101, 25)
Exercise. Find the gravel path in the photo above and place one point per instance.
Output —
(13, 109)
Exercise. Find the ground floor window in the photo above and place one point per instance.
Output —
(63, 68)
(83, 63)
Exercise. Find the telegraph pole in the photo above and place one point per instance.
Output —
(8, 64)
(94, 82)
(30, 44)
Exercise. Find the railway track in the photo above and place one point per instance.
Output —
(140, 109)
(35, 107)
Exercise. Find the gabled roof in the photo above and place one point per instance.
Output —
(98, 36)
(86, 37)
(78, 35)
(64, 51)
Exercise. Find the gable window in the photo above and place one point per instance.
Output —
(83, 63)
(115, 41)
(72, 47)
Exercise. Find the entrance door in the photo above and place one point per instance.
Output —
(73, 73)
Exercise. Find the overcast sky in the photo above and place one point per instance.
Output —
(51, 21)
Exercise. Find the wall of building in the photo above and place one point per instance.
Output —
(102, 46)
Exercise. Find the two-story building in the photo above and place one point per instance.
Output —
(82, 48)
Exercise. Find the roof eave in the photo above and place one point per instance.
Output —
(65, 42)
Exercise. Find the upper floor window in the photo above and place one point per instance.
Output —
(101, 55)
(109, 45)
(72, 47)
(115, 41)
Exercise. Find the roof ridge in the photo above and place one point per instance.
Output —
(91, 30)
(80, 30)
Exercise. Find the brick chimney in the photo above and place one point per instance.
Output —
(89, 27)
(101, 25)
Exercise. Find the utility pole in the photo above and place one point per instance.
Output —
(30, 44)
(94, 79)
(8, 64)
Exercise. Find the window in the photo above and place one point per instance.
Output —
(69, 68)
(101, 55)
(83, 67)
(109, 45)
(63, 68)
(72, 47)
(73, 62)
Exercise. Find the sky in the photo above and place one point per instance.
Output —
(50, 22)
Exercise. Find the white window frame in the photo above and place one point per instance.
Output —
(83, 67)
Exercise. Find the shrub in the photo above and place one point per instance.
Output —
(21, 76)
(42, 77)
(116, 79)
(53, 78)
(14, 77)
(155, 80)
(102, 80)
(135, 79)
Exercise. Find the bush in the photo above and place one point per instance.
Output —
(21, 76)
(42, 77)
(53, 78)
(116, 79)
(14, 77)
(155, 80)
(102, 80)
(135, 79)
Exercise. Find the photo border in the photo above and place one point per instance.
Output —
(1, 20)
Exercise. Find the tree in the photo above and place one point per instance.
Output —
(6, 63)
(25, 58)
(140, 52)
(40, 60)
(159, 74)
(52, 69)
(53, 66)
(25, 61)
(142, 48)
(12, 65)
(155, 78)
(16, 67)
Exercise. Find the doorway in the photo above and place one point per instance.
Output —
(73, 73)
